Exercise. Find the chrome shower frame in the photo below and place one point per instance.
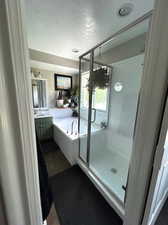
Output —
(116, 204)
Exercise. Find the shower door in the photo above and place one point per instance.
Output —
(94, 101)
(110, 85)
(111, 147)
(84, 109)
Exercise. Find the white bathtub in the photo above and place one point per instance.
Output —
(67, 138)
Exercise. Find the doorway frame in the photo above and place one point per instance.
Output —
(26, 202)
(149, 117)
(156, 63)
(156, 168)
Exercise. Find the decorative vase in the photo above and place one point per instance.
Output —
(59, 103)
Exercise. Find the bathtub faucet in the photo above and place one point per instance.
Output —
(72, 127)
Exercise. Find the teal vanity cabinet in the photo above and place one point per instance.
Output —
(44, 128)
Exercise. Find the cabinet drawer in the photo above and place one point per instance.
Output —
(44, 128)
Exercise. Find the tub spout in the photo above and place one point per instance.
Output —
(72, 127)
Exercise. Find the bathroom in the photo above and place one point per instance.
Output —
(113, 98)
(85, 107)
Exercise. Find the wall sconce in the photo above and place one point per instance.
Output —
(118, 86)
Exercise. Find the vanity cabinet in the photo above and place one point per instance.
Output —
(44, 128)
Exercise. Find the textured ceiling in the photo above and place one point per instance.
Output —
(58, 26)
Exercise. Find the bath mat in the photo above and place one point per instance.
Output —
(49, 146)
(78, 202)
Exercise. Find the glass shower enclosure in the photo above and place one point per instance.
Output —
(110, 82)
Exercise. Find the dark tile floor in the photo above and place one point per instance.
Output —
(56, 163)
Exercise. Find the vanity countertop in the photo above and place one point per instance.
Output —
(37, 116)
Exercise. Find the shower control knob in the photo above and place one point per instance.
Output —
(103, 125)
(124, 187)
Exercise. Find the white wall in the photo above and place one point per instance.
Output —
(52, 59)
(118, 136)
(128, 49)
(123, 53)
(123, 105)
(11, 167)
(19, 178)
(52, 94)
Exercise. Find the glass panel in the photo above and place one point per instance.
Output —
(114, 106)
(84, 106)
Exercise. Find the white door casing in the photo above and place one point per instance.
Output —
(156, 195)
(18, 167)
(151, 105)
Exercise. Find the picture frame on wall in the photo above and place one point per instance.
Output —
(63, 82)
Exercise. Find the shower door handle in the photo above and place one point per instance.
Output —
(94, 118)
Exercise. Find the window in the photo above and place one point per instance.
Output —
(84, 90)
(99, 99)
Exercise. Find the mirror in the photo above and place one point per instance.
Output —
(39, 93)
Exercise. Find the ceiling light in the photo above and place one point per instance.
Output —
(125, 9)
(75, 50)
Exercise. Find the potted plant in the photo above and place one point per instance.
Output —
(100, 78)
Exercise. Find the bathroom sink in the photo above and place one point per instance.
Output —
(42, 114)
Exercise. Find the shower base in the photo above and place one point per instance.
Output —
(112, 169)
